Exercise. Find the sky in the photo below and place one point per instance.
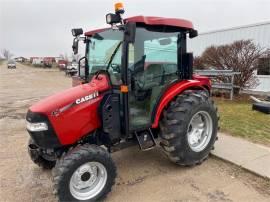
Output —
(43, 27)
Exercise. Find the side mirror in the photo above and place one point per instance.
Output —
(76, 33)
(82, 67)
(193, 33)
(75, 46)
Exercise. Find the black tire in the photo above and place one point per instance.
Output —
(38, 159)
(76, 157)
(262, 107)
(175, 123)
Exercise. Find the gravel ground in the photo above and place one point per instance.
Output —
(142, 176)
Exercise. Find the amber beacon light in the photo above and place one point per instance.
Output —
(119, 8)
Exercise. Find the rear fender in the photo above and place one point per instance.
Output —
(170, 93)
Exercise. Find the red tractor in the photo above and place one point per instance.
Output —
(137, 88)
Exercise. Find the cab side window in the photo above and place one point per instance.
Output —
(154, 66)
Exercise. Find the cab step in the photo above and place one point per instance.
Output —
(145, 139)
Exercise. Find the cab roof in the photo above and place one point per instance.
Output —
(151, 20)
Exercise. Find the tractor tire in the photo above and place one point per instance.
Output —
(38, 159)
(189, 128)
(85, 173)
(261, 107)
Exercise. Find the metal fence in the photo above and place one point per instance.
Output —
(215, 74)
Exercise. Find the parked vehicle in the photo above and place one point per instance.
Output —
(72, 68)
(11, 64)
(138, 86)
(38, 61)
(62, 64)
(48, 61)
(20, 59)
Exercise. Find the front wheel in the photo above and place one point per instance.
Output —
(86, 173)
(189, 128)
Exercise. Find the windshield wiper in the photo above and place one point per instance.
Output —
(110, 60)
(113, 55)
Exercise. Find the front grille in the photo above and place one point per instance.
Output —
(43, 139)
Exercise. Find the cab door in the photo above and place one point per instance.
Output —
(152, 65)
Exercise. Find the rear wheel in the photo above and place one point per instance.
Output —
(189, 128)
(86, 173)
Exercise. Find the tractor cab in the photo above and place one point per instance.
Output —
(142, 57)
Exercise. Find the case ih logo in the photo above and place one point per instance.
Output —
(87, 97)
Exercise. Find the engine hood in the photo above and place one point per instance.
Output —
(70, 97)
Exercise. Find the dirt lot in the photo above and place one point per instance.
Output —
(142, 176)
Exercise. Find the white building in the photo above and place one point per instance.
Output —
(259, 33)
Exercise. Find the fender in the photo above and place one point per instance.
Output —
(173, 90)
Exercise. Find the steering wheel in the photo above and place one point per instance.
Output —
(116, 68)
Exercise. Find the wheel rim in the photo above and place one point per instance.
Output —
(200, 130)
(88, 180)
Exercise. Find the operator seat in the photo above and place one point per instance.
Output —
(150, 77)
(147, 82)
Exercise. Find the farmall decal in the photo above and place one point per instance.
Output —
(87, 98)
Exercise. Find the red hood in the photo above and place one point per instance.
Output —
(69, 96)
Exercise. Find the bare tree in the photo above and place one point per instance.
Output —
(240, 56)
(198, 63)
(6, 54)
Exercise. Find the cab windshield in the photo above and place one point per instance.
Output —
(105, 53)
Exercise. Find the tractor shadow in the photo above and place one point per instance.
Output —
(134, 166)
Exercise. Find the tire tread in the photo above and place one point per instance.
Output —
(170, 125)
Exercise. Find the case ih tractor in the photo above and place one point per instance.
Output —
(137, 88)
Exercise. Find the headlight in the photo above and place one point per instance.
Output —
(36, 127)
(108, 18)
(113, 18)
(77, 32)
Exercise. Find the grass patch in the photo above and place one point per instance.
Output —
(238, 119)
